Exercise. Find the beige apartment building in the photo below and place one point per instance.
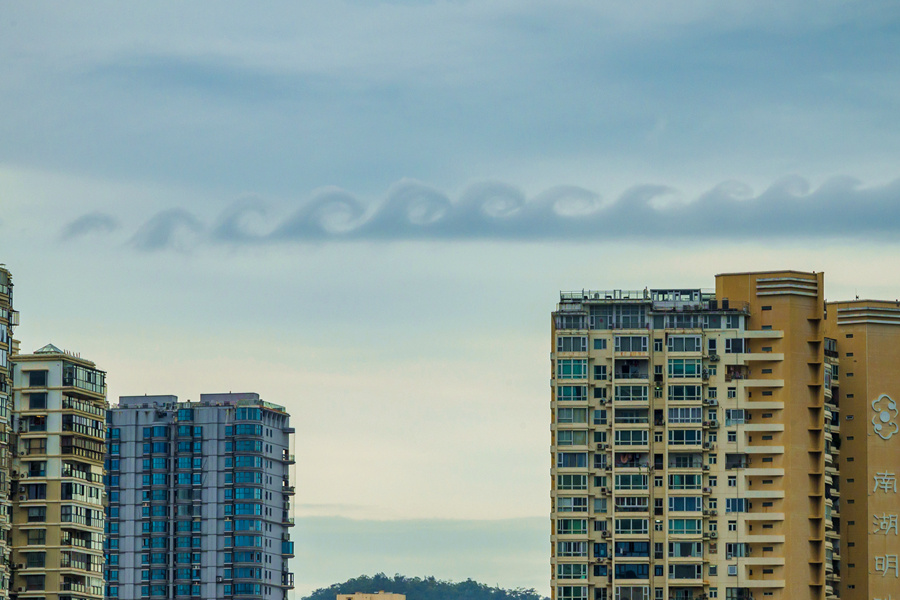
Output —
(703, 443)
(58, 496)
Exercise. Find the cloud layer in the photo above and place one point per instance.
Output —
(411, 210)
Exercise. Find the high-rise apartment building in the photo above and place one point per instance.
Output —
(59, 411)
(733, 444)
(9, 318)
(199, 498)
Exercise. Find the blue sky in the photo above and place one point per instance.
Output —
(365, 211)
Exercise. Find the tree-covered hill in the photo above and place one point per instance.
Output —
(429, 588)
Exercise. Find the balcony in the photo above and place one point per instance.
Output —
(631, 369)
(287, 580)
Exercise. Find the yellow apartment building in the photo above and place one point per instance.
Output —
(697, 446)
(59, 402)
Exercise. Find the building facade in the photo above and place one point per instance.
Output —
(199, 498)
(9, 318)
(697, 443)
(58, 497)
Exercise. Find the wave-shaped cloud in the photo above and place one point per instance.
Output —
(412, 210)
(162, 230)
(91, 223)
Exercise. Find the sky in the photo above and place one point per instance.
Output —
(365, 211)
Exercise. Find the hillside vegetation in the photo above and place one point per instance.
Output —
(428, 588)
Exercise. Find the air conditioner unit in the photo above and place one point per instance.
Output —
(20, 566)
(707, 490)
(706, 512)
(706, 467)
(706, 423)
(706, 445)
(604, 491)
(604, 534)
(713, 534)
(218, 579)
(602, 401)
(713, 513)
(601, 446)
(714, 424)
(713, 358)
(713, 402)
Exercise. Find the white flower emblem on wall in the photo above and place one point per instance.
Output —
(885, 420)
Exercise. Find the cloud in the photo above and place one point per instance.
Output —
(163, 229)
(495, 211)
(91, 223)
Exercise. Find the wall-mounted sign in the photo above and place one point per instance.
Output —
(884, 422)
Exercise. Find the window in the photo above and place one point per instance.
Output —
(631, 437)
(685, 343)
(631, 526)
(37, 379)
(685, 393)
(632, 549)
(565, 437)
(734, 416)
(600, 344)
(680, 368)
(571, 368)
(736, 346)
(571, 592)
(571, 343)
(631, 481)
(600, 372)
(685, 503)
(36, 537)
(36, 446)
(37, 514)
(37, 401)
(571, 504)
(571, 415)
(685, 482)
(686, 415)
(571, 549)
(35, 559)
(685, 437)
(571, 393)
(657, 345)
(571, 571)
(567, 526)
(600, 416)
(631, 393)
(576, 460)
(685, 571)
(34, 582)
(685, 526)
(734, 505)
(631, 343)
